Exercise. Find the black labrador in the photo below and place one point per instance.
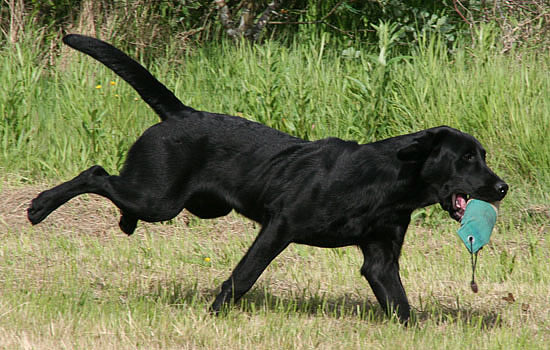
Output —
(326, 193)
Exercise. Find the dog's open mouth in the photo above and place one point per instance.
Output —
(459, 201)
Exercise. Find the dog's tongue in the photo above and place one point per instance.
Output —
(460, 205)
(460, 202)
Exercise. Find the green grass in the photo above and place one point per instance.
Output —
(75, 281)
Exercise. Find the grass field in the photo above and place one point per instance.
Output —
(77, 282)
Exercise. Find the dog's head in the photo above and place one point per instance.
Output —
(453, 165)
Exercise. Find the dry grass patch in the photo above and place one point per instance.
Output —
(76, 281)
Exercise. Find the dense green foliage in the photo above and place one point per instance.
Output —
(150, 21)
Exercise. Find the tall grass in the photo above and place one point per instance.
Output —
(57, 120)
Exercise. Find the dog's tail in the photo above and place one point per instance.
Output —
(162, 100)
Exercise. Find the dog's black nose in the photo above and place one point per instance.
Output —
(501, 188)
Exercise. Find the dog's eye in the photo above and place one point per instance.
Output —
(469, 156)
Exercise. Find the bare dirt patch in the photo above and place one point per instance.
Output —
(94, 215)
(88, 214)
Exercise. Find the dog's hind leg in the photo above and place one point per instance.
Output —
(271, 241)
(49, 200)
(134, 203)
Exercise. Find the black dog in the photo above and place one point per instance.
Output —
(326, 193)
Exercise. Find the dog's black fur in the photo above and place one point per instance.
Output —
(326, 193)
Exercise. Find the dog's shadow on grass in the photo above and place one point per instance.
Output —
(311, 304)
(367, 310)
(260, 300)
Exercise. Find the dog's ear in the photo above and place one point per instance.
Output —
(423, 144)
(419, 148)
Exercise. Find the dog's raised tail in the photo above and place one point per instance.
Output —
(159, 97)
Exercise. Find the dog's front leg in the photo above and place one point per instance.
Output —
(381, 269)
(271, 241)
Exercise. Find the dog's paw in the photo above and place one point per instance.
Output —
(39, 209)
(34, 212)
(217, 309)
(127, 224)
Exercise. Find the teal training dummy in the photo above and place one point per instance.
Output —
(475, 229)
(477, 224)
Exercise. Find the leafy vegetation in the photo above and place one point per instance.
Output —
(146, 23)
